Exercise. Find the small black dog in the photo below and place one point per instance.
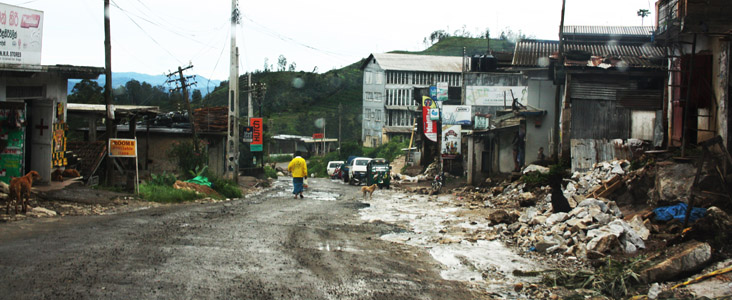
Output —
(559, 202)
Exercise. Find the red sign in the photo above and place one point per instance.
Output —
(317, 136)
(257, 138)
(430, 127)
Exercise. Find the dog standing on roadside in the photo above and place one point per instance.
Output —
(368, 190)
(20, 189)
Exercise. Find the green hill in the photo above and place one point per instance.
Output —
(294, 100)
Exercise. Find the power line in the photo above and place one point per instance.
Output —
(145, 32)
(291, 40)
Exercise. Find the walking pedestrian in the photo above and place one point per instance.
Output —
(299, 170)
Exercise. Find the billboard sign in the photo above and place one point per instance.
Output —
(495, 95)
(456, 114)
(248, 134)
(21, 34)
(441, 91)
(430, 127)
(257, 135)
(450, 141)
(318, 136)
(122, 148)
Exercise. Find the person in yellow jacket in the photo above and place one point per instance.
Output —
(299, 170)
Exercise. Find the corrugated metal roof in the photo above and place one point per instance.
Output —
(630, 31)
(412, 62)
(533, 53)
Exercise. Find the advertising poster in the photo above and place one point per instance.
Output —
(257, 135)
(122, 147)
(441, 91)
(456, 114)
(430, 127)
(12, 141)
(450, 141)
(248, 134)
(495, 95)
(21, 33)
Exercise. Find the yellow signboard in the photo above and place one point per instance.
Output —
(122, 148)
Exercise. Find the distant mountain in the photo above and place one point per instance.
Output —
(121, 78)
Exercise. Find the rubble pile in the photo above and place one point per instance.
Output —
(593, 228)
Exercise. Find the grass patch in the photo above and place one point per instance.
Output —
(225, 187)
(270, 172)
(540, 179)
(165, 194)
(616, 279)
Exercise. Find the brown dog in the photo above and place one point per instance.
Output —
(368, 190)
(20, 189)
(71, 173)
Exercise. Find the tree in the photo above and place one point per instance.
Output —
(292, 67)
(266, 65)
(281, 63)
(87, 91)
(197, 96)
(643, 13)
(134, 92)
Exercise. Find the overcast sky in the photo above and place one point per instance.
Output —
(154, 36)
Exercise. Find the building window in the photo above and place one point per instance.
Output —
(367, 114)
(377, 97)
(378, 115)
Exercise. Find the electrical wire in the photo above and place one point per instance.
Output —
(145, 32)
(208, 84)
(291, 40)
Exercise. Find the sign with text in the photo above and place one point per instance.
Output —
(495, 95)
(442, 88)
(122, 148)
(450, 141)
(248, 134)
(318, 136)
(21, 33)
(257, 135)
(456, 114)
(430, 127)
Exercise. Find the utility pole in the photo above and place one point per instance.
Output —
(232, 139)
(111, 130)
(340, 107)
(182, 83)
(557, 91)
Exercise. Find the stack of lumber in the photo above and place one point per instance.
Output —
(211, 119)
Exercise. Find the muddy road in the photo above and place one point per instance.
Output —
(266, 246)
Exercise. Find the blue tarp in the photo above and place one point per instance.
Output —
(678, 212)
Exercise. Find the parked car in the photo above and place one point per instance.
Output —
(357, 170)
(332, 166)
(344, 168)
(378, 171)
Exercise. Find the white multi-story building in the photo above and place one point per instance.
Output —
(389, 80)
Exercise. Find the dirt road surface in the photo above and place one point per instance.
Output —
(266, 246)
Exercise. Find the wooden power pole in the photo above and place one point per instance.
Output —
(183, 84)
(111, 132)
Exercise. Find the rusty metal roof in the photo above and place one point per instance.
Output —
(412, 62)
(538, 53)
(612, 31)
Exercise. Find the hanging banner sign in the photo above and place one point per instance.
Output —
(257, 135)
(456, 114)
(248, 132)
(21, 33)
(450, 141)
(430, 127)
(495, 95)
(441, 91)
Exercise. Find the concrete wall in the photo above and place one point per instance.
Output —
(374, 83)
(539, 129)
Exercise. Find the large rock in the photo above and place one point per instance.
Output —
(680, 259)
(673, 183)
(40, 212)
(529, 214)
(501, 216)
(556, 218)
(639, 227)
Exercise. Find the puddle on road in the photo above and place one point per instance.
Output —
(282, 187)
(488, 263)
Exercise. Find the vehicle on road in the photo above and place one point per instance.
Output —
(344, 168)
(438, 182)
(357, 170)
(378, 171)
(333, 165)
